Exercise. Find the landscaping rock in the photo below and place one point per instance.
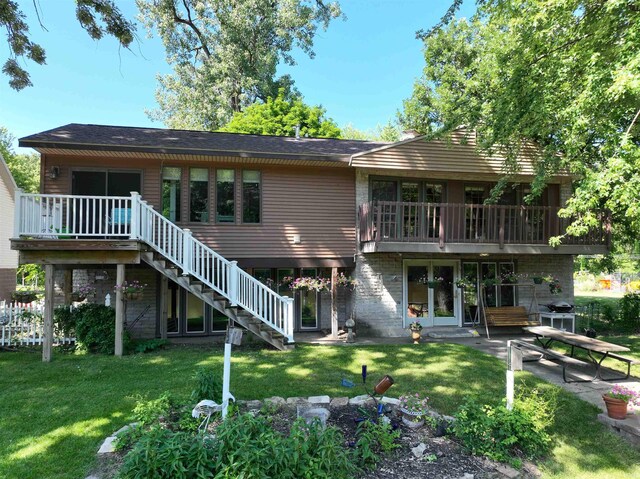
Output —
(418, 451)
(253, 404)
(507, 471)
(126, 427)
(340, 402)
(108, 446)
(295, 400)
(312, 414)
(363, 400)
(319, 400)
(275, 400)
(389, 401)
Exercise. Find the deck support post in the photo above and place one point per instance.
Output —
(334, 303)
(118, 346)
(164, 305)
(47, 337)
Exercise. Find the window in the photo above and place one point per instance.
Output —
(384, 190)
(433, 193)
(171, 177)
(199, 191)
(195, 315)
(250, 196)
(225, 194)
(507, 293)
(474, 195)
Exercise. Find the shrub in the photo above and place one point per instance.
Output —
(148, 412)
(208, 386)
(161, 453)
(629, 317)
(148, 345)
(375, 438)
(505, 435)
(94, 326)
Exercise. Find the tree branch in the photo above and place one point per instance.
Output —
(189, 22)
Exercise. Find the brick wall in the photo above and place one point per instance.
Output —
(104, 280)
(7, 283)
(379, 294)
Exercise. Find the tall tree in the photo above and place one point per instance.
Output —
(279, 116)
(97, 17)
(389, 132)
(565, 74)
(25, 169)
(224, 53)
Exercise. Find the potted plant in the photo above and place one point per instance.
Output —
(490, 282)
(310, 284)
(132, 290)
(24, 296)
(554, 284)
(464, 283)
(82, 293)
(414, 409)
(617, 400)
(435, 281)
(538, 279)
(509, 278)
(416, 331)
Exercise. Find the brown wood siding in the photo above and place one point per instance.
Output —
(318, 203)
(459, 155)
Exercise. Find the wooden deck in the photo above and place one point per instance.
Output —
(78, 251)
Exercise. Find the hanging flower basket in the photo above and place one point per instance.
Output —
(24, 297)
(433, 284)
(131, 291)
(538, 280)
(77, 297)
(132, 295)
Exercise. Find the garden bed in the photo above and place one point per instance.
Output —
(421, 453)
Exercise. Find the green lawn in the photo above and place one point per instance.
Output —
(54, 416)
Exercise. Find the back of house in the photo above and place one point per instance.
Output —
(406, 220)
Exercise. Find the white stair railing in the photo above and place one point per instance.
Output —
(69, 216)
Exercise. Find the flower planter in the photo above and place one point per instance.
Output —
(77, 297)
(132, 295)
(415, 335)
(23, 297)
(433, 284)
(537, 280)
(616, 408)
(412, 420)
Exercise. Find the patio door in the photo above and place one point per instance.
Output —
(430, 294)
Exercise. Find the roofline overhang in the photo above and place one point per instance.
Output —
(35, 144)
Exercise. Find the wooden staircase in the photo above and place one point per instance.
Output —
(217, 301)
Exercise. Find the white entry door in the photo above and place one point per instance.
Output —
(430, 293)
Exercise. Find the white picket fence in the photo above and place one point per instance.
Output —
(22, 325)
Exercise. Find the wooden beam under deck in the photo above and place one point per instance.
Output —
(77, 252)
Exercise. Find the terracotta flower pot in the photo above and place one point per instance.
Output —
(616, 408)
(415, 335)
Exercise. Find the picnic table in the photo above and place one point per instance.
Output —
(597, 350)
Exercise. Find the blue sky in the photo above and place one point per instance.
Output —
(363, 69)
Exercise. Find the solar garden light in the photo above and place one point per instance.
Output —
(350, 323)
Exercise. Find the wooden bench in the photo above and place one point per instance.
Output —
(624, 359)
(555, 356)
(509, 316)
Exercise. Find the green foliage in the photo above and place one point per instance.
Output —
(65, 319)
(375, 438)
(21, 47)
(389, 133)
(208, 386)
(225, 59)
(564, 75)
(504, 435)
(280, 116)
(161, 453)
(25, 169)
(95, 327)
(148, 412)
(629, 313)
(148, 345)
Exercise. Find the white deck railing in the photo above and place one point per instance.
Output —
(22, 325)
(78, 217)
